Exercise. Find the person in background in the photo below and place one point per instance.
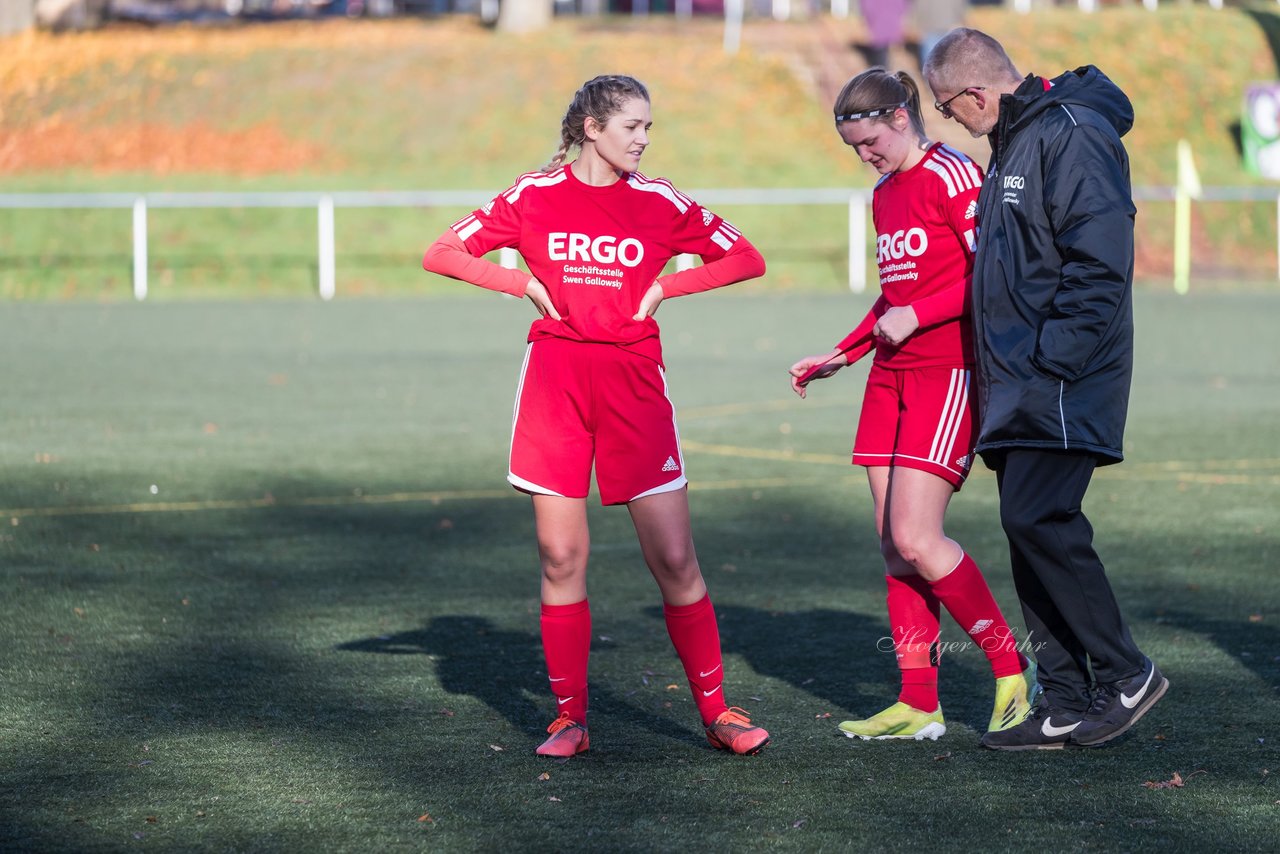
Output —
(596, 235)
(915, 432)
(886, 24)
(1053, 312)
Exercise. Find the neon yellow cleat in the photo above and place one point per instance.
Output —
(898, 721)
(1015, 695)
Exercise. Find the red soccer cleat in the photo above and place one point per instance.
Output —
(568, 738)
(733, 731)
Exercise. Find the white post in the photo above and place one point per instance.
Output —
(1215, 4)
(326, 248)
(1278, 231)
(781, 10)
(1088, 5)
(1151, 5)
(1181, 240)
(857, 243)
(840, 9)
(139, 249)
(507, 257)
(684, 261)
(1022, 6)
(732, 25)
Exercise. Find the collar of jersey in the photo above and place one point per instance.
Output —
(919, 167)
(591, 188)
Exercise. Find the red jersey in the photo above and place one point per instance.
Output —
(597, 250)
(926, 232)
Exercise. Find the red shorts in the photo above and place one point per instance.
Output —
(920, 419)
(577, 402)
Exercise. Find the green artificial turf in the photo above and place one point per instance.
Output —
(320, 630)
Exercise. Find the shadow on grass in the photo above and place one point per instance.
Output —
(844, 659)
(1256, 645)
(504, 669)
(823, 652)
(262, 658)
(472, 657)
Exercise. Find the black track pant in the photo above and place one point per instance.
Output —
(1072, 616)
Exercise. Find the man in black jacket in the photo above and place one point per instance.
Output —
(1052, 311)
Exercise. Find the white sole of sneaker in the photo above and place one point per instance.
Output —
(1058, 746)
(933, 732)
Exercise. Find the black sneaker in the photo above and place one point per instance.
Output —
(1046, 728)
(1119, 705)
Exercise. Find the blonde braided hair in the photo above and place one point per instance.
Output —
(600, 98)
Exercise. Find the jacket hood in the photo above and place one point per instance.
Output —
(1086, 87)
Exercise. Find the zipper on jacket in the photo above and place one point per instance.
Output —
(1062, 418)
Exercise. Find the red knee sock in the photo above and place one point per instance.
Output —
(913, 618)
(965, 595)
(566, 642)
(696, 637)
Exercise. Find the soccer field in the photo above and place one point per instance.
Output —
(266, 589)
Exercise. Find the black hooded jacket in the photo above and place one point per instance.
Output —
(1053, 275)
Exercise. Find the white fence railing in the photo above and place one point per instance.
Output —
(858, 202)
(1025, 6)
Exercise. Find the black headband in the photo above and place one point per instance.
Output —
(870, 114)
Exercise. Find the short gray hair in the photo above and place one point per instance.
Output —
(966, 57)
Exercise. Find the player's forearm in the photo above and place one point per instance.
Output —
(743, 261)
(858, 343)
(448, 256)
(949, 304)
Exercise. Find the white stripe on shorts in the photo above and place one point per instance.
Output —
(513, 478)
(953, 409)
(681, 481)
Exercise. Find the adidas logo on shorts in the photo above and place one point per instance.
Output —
(979, 626)
(671, 465)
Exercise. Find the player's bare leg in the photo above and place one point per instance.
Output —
(564, 544)
(666, 541)
(916, 504)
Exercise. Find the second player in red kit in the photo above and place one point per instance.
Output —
(915, 433)
(596, 235)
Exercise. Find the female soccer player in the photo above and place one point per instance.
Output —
(915, 432)
(596, 234)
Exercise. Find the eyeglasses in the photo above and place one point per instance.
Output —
(945, 106)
